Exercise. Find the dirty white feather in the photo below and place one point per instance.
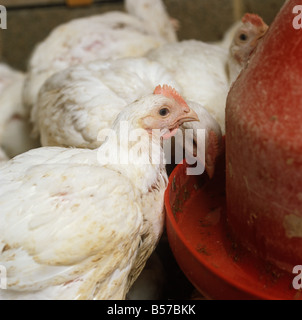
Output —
(71, 228)
(15, 128)
(113, 35)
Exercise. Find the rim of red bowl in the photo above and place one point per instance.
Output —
(169, 215)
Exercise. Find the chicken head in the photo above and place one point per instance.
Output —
(246, 38)
(245, 41)
(169, 114)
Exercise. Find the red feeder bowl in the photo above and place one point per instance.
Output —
(199, 238)
(263, 203)
(264, 145)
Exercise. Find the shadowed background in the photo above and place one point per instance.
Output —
(30, 21)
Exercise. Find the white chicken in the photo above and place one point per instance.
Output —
(154, 16)
(74, 104)
(201, 69)
(109, 35)
(71, 228)
(229, 35)
(246, 38)
(15, 129)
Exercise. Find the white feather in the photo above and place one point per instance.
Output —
(71, 228)
(200, 70)
(75, 104)
(15, 129)
(110, 35)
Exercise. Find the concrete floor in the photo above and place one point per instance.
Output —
(205, 20)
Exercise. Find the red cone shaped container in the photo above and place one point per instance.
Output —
(264, 146)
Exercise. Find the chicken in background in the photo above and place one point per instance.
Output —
(203, 70)
(15, 129)
(109, 35)
(199, 69)
(245, 41)
(229, 35)
(72, 228)
(154, 16)
(76, 103)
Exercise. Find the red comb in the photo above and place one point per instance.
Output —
(253, 19)
(170, 92)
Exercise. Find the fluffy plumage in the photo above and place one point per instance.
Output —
(77, 102)
(110, 35)
(153, 14)
(205, 71)
(250, 30)
(229, 35)
(200, 70)
(71, 228)
(15, 129)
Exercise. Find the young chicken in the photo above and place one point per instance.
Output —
(74, 104)
(229, 35)
(15, 129)
(201, 69)
(245, 41)
(154, 16)
(73, 226)
(110, 35)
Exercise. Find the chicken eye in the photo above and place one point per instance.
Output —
(164, 112)
(243, 37)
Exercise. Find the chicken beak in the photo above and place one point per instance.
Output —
(188, 117)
